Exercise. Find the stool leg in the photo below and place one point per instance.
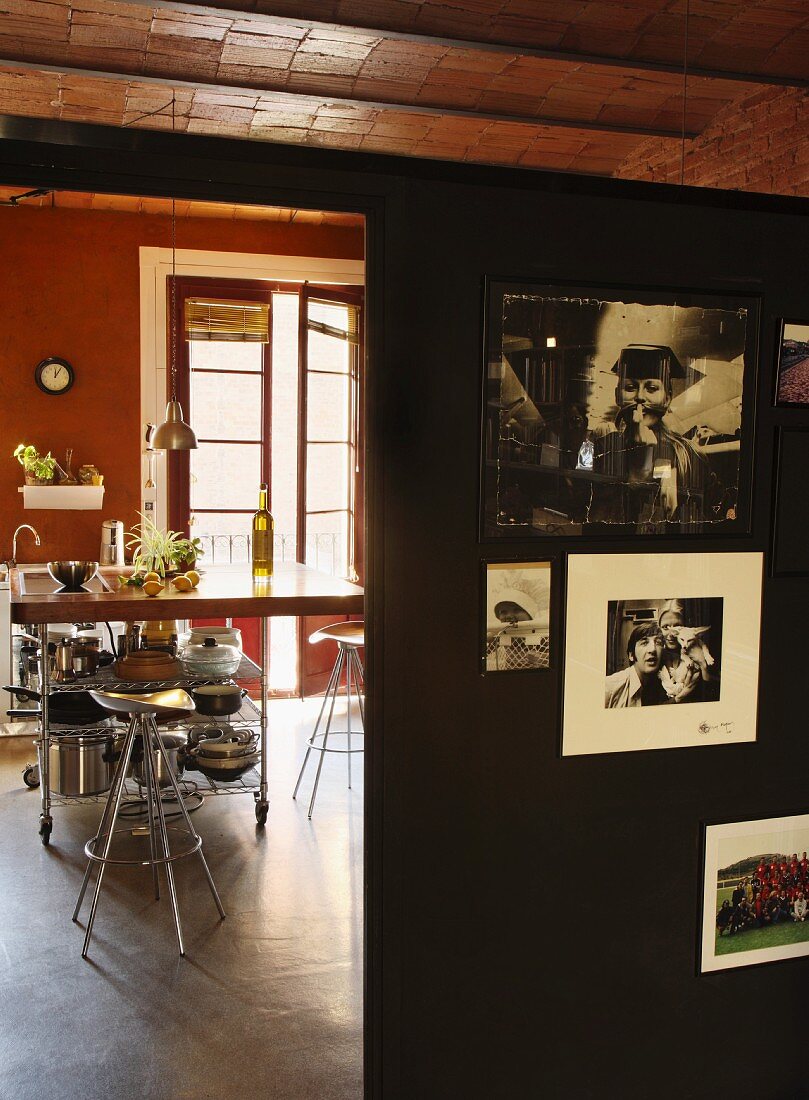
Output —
(322, 750)
(348, 713)
(149, 761)
(359, 681)
(147, 772)
(130, 741)
(191, 829)
(329, 688)
(119, 776)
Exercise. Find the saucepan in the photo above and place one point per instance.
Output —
(217, 699)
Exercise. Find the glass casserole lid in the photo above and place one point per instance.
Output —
(210, 658)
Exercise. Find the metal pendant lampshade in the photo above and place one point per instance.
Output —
(174, 434)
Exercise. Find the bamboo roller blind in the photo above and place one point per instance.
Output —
(218, 319)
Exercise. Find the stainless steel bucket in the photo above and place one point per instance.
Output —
(81, 764)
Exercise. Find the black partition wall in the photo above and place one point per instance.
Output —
(532, 922)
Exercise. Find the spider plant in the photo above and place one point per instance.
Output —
(153, 550)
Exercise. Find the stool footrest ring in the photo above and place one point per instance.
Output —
(312, 742)
(142, 862)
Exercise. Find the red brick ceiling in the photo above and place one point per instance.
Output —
(560, 84)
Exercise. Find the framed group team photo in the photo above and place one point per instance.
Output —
(661, 651)
(755, 906)
(616, 411)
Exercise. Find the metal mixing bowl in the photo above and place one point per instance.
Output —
(72, 574)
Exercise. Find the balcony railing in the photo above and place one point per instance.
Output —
(322, 551)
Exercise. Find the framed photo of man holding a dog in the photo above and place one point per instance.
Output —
(661, 651)
(612, 411)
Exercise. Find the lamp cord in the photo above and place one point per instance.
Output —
(173, 296)
(685, 91)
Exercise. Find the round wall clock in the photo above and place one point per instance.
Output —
(54, 375)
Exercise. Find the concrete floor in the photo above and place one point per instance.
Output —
(267, 1003)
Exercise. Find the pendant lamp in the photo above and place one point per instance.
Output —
(174, 434)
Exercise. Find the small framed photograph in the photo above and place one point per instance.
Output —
(661, 651)
(793, 364)
(611, 411)
(517, 628)
(755, 906)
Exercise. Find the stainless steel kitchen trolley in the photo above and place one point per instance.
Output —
(295, 590)
(252, 716)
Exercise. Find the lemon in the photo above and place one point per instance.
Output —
(152, 576)
(152, 588)
(193, 576)
(183, 584)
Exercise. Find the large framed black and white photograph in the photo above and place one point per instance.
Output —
(755, 906)
(517, 633)
(616, 411)
(793, 364)
(661, 651)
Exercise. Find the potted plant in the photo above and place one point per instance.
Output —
(185, 554)
(152, 549)
(39, 469)
(162, 552)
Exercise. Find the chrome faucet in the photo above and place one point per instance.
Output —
(22, 527)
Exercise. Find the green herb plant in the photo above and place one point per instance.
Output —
(41, 467)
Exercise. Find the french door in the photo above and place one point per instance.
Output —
(331, 445)
(281, 405)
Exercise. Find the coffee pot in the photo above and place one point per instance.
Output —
(112, 543)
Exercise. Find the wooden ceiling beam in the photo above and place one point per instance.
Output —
(170, 81)
(639, 65)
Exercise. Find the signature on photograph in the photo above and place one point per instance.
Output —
(723, 727)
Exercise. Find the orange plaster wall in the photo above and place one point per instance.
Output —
(69, 286)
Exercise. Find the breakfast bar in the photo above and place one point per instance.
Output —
(294, 590)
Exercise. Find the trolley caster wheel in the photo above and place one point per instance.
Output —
(45, 829)
(30, 775)
(262, 809)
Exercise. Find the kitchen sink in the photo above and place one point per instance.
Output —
(39, 582)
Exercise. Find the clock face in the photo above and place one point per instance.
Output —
(54, 375)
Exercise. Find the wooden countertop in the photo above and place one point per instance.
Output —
(294, 590)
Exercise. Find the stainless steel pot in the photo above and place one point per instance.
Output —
(81, 763)
(173, 743)
(85, 659)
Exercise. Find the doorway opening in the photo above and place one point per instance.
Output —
(289, 960)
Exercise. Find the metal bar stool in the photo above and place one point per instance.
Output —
(143, 712)
(349, 637)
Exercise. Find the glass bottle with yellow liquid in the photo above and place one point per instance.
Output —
(263, 529)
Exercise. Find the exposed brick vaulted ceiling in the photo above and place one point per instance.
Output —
(558, 84)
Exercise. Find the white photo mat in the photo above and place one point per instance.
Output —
(596, 579)
(727, 844)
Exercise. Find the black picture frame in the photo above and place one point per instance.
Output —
(785, 360)
(530, 485)
(509, 649)
(790, 520)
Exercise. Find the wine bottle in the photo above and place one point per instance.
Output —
(263, 527)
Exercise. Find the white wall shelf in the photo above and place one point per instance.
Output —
(82, 498)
